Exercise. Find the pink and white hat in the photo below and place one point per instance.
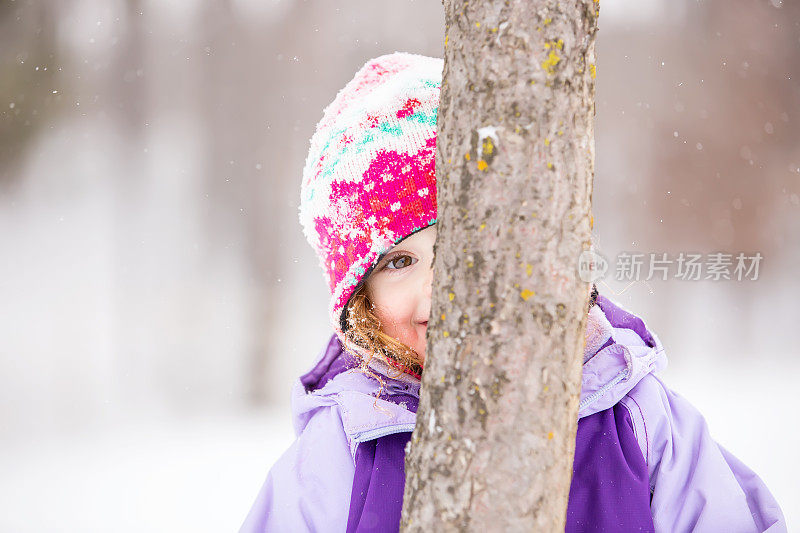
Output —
(369, 179)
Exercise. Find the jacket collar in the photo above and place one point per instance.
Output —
(619, 351)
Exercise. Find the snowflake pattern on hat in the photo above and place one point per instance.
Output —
(369, 179)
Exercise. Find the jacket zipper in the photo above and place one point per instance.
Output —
(602, 390)
(382, 432)
(398, 389)
(389, 430)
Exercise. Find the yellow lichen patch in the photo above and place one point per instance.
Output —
(482, 165)
(470, 264)
(477, 291)
(445, 39)
(488, 147)
(560, 44)
(449, 161)
(593, 70)
(466, 156)
(516, 285)
(477, 24)
(493, 30)
(533, 82)
(482, 411)
(517, 255)
(491, 305)
(451, 296)
(441, 380)
(443, 316)
(549, 165)
(546, 387)
(547, 21)
(525, 294)
(482, 227)
(546, 141)
(550, 436)
(445, 333)
(560, 132)
(534, 216)
(529, 269)
(591, 221)
(548, 65)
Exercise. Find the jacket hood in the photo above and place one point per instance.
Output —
(619, 351)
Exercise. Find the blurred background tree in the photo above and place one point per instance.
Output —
(30, 63)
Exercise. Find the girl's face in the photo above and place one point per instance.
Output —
(400, 289)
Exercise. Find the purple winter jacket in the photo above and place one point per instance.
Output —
(320, 483)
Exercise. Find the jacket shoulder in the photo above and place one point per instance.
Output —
(696, 485)
(309, 486)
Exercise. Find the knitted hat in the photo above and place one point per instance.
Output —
(369, 178)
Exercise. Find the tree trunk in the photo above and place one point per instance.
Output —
(495, 436)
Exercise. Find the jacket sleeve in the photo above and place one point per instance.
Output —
(696, 484)
(308, 488)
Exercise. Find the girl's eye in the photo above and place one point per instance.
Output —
(401, 261)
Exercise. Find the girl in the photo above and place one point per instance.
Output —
(644, 459)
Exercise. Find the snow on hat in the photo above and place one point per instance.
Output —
(369, 179)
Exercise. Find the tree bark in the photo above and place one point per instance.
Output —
(495, 436)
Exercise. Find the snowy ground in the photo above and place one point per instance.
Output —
(163, 475)
(180, 474)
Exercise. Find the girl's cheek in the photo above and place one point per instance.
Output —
(394, 312)
(393, 305)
